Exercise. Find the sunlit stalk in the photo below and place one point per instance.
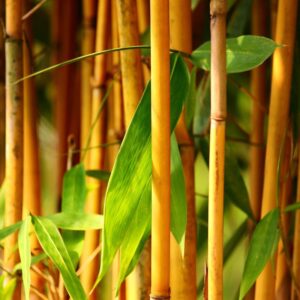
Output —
(96, 161)
(279, 108)
(217, 149)
(14, 130)
(183, 270)
(160, 128)
(32, 181)
(2, 98)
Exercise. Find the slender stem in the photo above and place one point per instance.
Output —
(217, 149)
(279, 108)
(160, 124)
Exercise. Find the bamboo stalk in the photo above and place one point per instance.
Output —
(2, 98)
(14, 130)
(132, 77)
(296, 254)
(96, 161)
(258, 90)
(279, 108)
(183, 270)
(88, 46)
(283, 278)
(217, 149)
(32, 180)
(160, 126)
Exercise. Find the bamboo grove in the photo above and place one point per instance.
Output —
(150, 149)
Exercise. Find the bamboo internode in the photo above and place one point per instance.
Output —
(160, 125)
(217, 149)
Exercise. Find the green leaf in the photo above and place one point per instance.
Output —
(53, 245)
(6, 231)
(7, 290)
(132, 169)
(293, 207)
(25, 255)
(73, 201)
(242, 53)
(74, 190)
(98, 174)
(140, 226)
(264, 241)
(2, 203)
(77, 221)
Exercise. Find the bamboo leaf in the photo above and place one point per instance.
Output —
(293, 207)
(242, 53)
(7, 290)
(53, 245)
(191, 100)
(73, 201)
(140, 226)
(264, 241)
(77, 221)
(6, 231)
(132, 169)
(25, 255)
(98, 174)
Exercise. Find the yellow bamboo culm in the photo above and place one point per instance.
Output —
(217, 149)
(296, 255)
(160, 126)
(96, 159)
(31, 176)
(183, 269)
(2, 97)
(88, 46)
(279, 108)
(14, 130)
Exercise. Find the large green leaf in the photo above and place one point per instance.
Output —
(53, 245)
(242, 53)
(25, 255)
(132, 170)
(140, 226)
(98, 174)
(264, 241)
(7, 289)
(73, 201)
(77, 221)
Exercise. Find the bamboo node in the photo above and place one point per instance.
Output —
(96, 85)
(13, 40)
(218, 118)
(154, 297)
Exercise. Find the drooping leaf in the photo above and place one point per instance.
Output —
(53, 245)
(98, 174)
(239, 18)
(140, 226)
(6, 231)
(132, 168)
(293, 207)
(242, 53)
(25, 255)
(235, 189)
(202, 106)
(77, 221)
(264, 241)
(73, 200)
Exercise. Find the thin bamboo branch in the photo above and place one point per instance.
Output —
(160, 125)
(183, 269)
(279, 108)
(217, 149)
(14, 130)
(98, 136)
